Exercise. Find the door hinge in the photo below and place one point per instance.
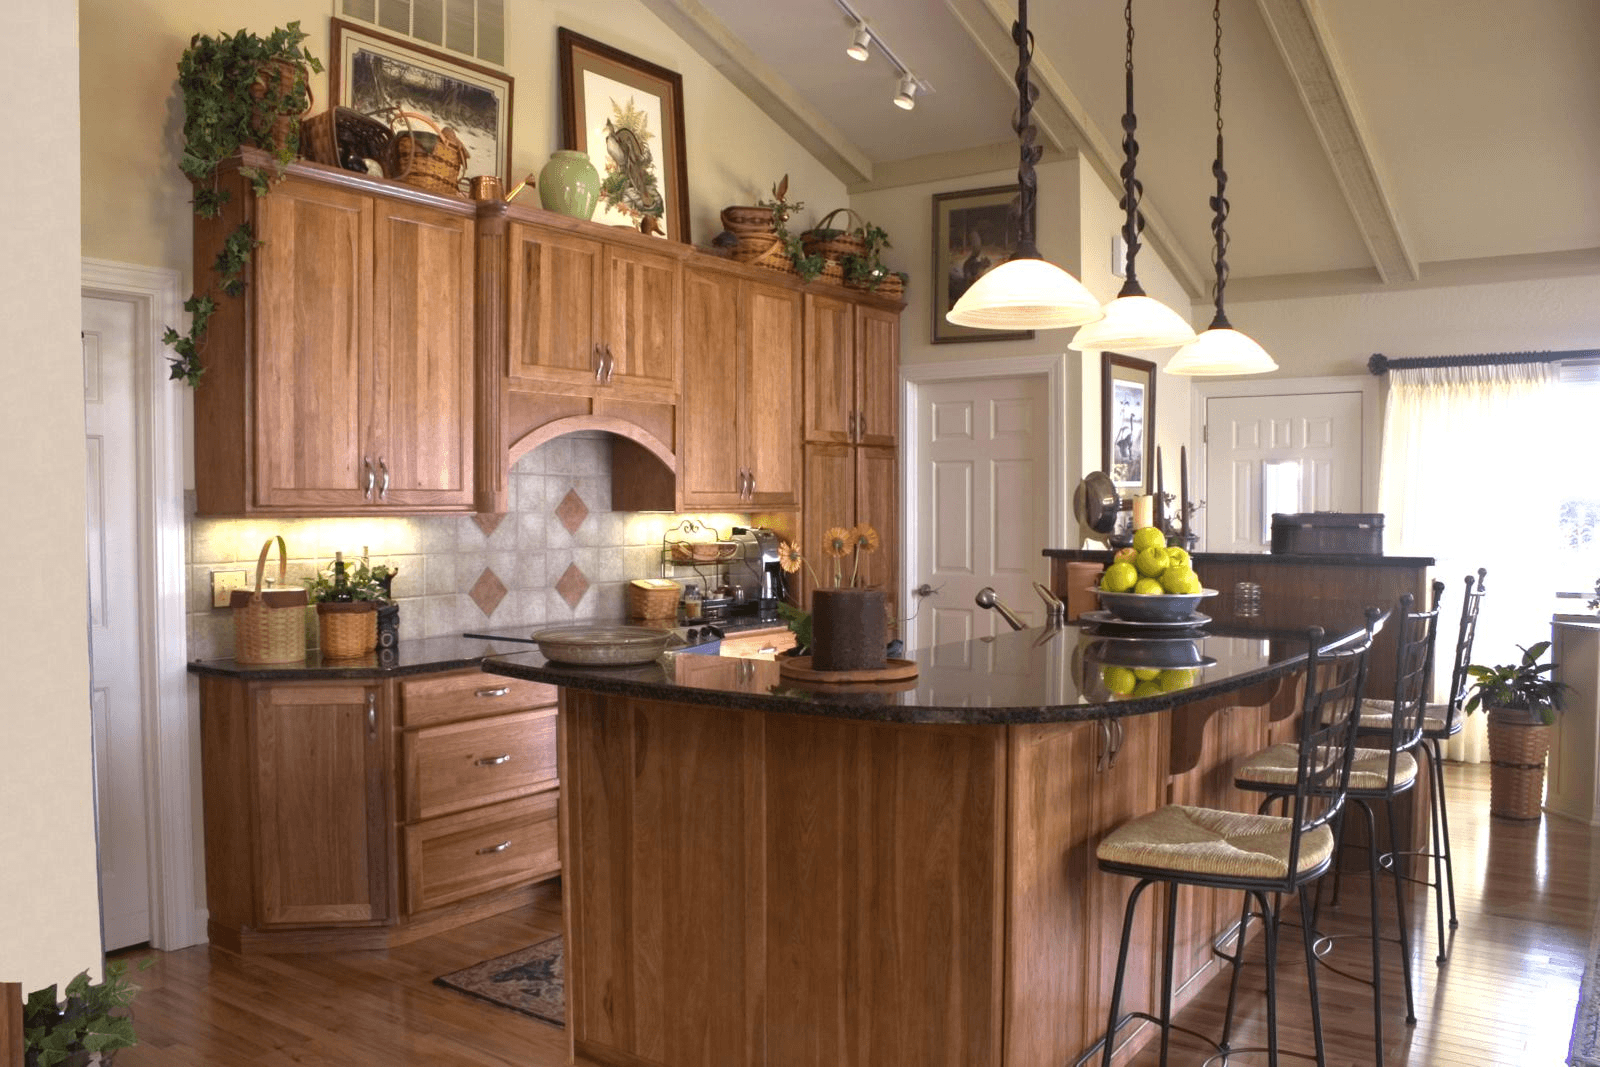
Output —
(1205, 433)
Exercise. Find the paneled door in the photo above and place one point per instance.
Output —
(116, 697)
(1281, 453)
(982, 516)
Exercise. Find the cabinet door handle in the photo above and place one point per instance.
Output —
(611, 364)
(850, 427)
(861, 424)
(752, 494)
(494, 761)
(599, 363)
(383, 487)
(501, 847)
(498, 691)
(372, 716)
(372, 478)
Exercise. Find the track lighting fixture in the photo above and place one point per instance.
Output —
(906, 98)
(860, 45)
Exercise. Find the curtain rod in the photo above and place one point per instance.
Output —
(1382, 364)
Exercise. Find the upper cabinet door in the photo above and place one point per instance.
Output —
(877, 376)
(771, 395)
(422, 331)
(642, 328)
(313, 380)
(829, 370)
(554, 329)
(709, 460)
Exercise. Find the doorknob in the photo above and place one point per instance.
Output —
(925, 590)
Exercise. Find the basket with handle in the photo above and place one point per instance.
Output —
(653, 598)
(833, 244)
(431, 163)
(269, 626)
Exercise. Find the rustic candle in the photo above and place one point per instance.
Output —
(1143, 511)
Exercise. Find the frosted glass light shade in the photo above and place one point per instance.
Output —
(1025, 294)
(1221, 351)
(1133, 323)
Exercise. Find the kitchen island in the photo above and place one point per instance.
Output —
(760, 873)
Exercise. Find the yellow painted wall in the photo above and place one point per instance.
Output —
(49, 909)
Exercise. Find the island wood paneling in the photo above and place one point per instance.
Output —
(10, 1024)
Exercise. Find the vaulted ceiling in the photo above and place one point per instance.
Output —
(1370, 143)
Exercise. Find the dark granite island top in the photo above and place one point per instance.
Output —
(1030, 676)
(419, 656)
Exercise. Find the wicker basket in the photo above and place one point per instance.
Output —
(742, 219)
(269, 626)
(347, 630)
(430, 162)
(767, 251)
(889, 286)
(1516, 774)
(269, 130)
(653, 598)
(835, 245)
(832, 273)
(343, 137)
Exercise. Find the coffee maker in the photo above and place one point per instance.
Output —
(755, 569)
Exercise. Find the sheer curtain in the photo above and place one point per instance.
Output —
(1471, 471)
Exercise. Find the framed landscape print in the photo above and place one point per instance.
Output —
(626, 115)
(1127, 421)
(974, 231)
(387, 77)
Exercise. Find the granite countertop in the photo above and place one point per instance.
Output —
(1029, 676)
(408, 657)
(1101, 555)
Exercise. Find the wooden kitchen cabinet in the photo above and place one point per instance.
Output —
(845, 486)
(589, 317)
(740, 446)
(341, 382)
(852, 369)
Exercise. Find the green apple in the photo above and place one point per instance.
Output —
(1148, 537)
(1119, 578)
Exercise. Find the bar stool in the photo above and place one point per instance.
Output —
(1262, 855)
(1440, 724)
(1376, 774)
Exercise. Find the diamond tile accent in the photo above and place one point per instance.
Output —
(488, 523)
(488, 591)
(572, 586)
(572, 511)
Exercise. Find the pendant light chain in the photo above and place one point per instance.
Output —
(1132, 189)
(1219, 203)
(1027, 133)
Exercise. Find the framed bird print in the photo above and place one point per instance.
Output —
(626, 115)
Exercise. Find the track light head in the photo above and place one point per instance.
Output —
(860, 44)
(906, 98)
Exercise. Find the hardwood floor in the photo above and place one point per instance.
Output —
(1505, 998)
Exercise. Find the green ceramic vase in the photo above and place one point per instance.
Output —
(569, 184)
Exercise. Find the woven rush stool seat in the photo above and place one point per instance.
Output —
(1276, 767)
(1378, 715)
(1261, 855)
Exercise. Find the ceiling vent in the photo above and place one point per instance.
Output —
(474, 28)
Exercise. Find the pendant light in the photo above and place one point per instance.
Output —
(1026, 292)
(1132, 321)
(1220, 349)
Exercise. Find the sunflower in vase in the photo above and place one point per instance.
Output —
(838, 544)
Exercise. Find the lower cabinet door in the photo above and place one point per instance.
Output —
(458, 856)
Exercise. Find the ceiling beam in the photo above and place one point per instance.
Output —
(1306, 46)
(1063, 122)
(707, 35)
(1444, 274)
(942, 166)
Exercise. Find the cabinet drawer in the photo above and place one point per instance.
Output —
(460, 856)
(468, 695)
(469, 764)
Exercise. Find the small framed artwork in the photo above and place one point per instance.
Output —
(974, 231)
(1127, 421)
(398, 80)
(626, 115)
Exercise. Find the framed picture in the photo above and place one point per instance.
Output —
(626, 115)
(1127, 421)
(974, 231)
(385, 76)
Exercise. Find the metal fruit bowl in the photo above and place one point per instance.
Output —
(601, 646)
(1148, 652)
(1172, 608)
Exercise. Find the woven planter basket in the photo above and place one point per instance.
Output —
(764, 252)
(430, 162)
(889, 286)
(347, 630)
(343, 134)
(269, 626)
(742, 219)
(1516, 776)
(835, 246)
(271, 131)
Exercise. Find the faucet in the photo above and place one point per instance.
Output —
(1055, 610)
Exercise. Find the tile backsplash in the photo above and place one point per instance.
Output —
(559, 554)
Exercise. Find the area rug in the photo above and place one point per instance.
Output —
(1584, 1050)
(528, 980)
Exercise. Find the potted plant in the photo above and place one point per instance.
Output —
(87, 1027)
(807, 265)
(865, 270)
(348, 601)
(238, 89)
(846, 628)
(1521, 701)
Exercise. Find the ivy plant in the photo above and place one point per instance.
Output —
(92, 1017)
(233, 96)
(867, 269)
(783, 209)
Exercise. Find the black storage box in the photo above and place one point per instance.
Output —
(1327, 533)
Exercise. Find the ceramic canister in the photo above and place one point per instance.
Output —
(569, 184)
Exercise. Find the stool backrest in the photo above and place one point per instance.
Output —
(1413, 674)
(1460, 680)
(1330, 717)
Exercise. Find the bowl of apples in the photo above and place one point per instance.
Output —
(1149, 582)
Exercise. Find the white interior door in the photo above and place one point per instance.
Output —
(116, 689)
(982, 503)
(1281, 453)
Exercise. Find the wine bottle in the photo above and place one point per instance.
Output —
(341, 582)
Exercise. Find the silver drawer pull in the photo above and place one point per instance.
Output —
(491, 761)
(767, 651)
(500, 692)
(501, 847)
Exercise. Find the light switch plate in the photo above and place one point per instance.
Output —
(223, 583)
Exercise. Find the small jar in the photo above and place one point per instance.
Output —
(691, 602)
